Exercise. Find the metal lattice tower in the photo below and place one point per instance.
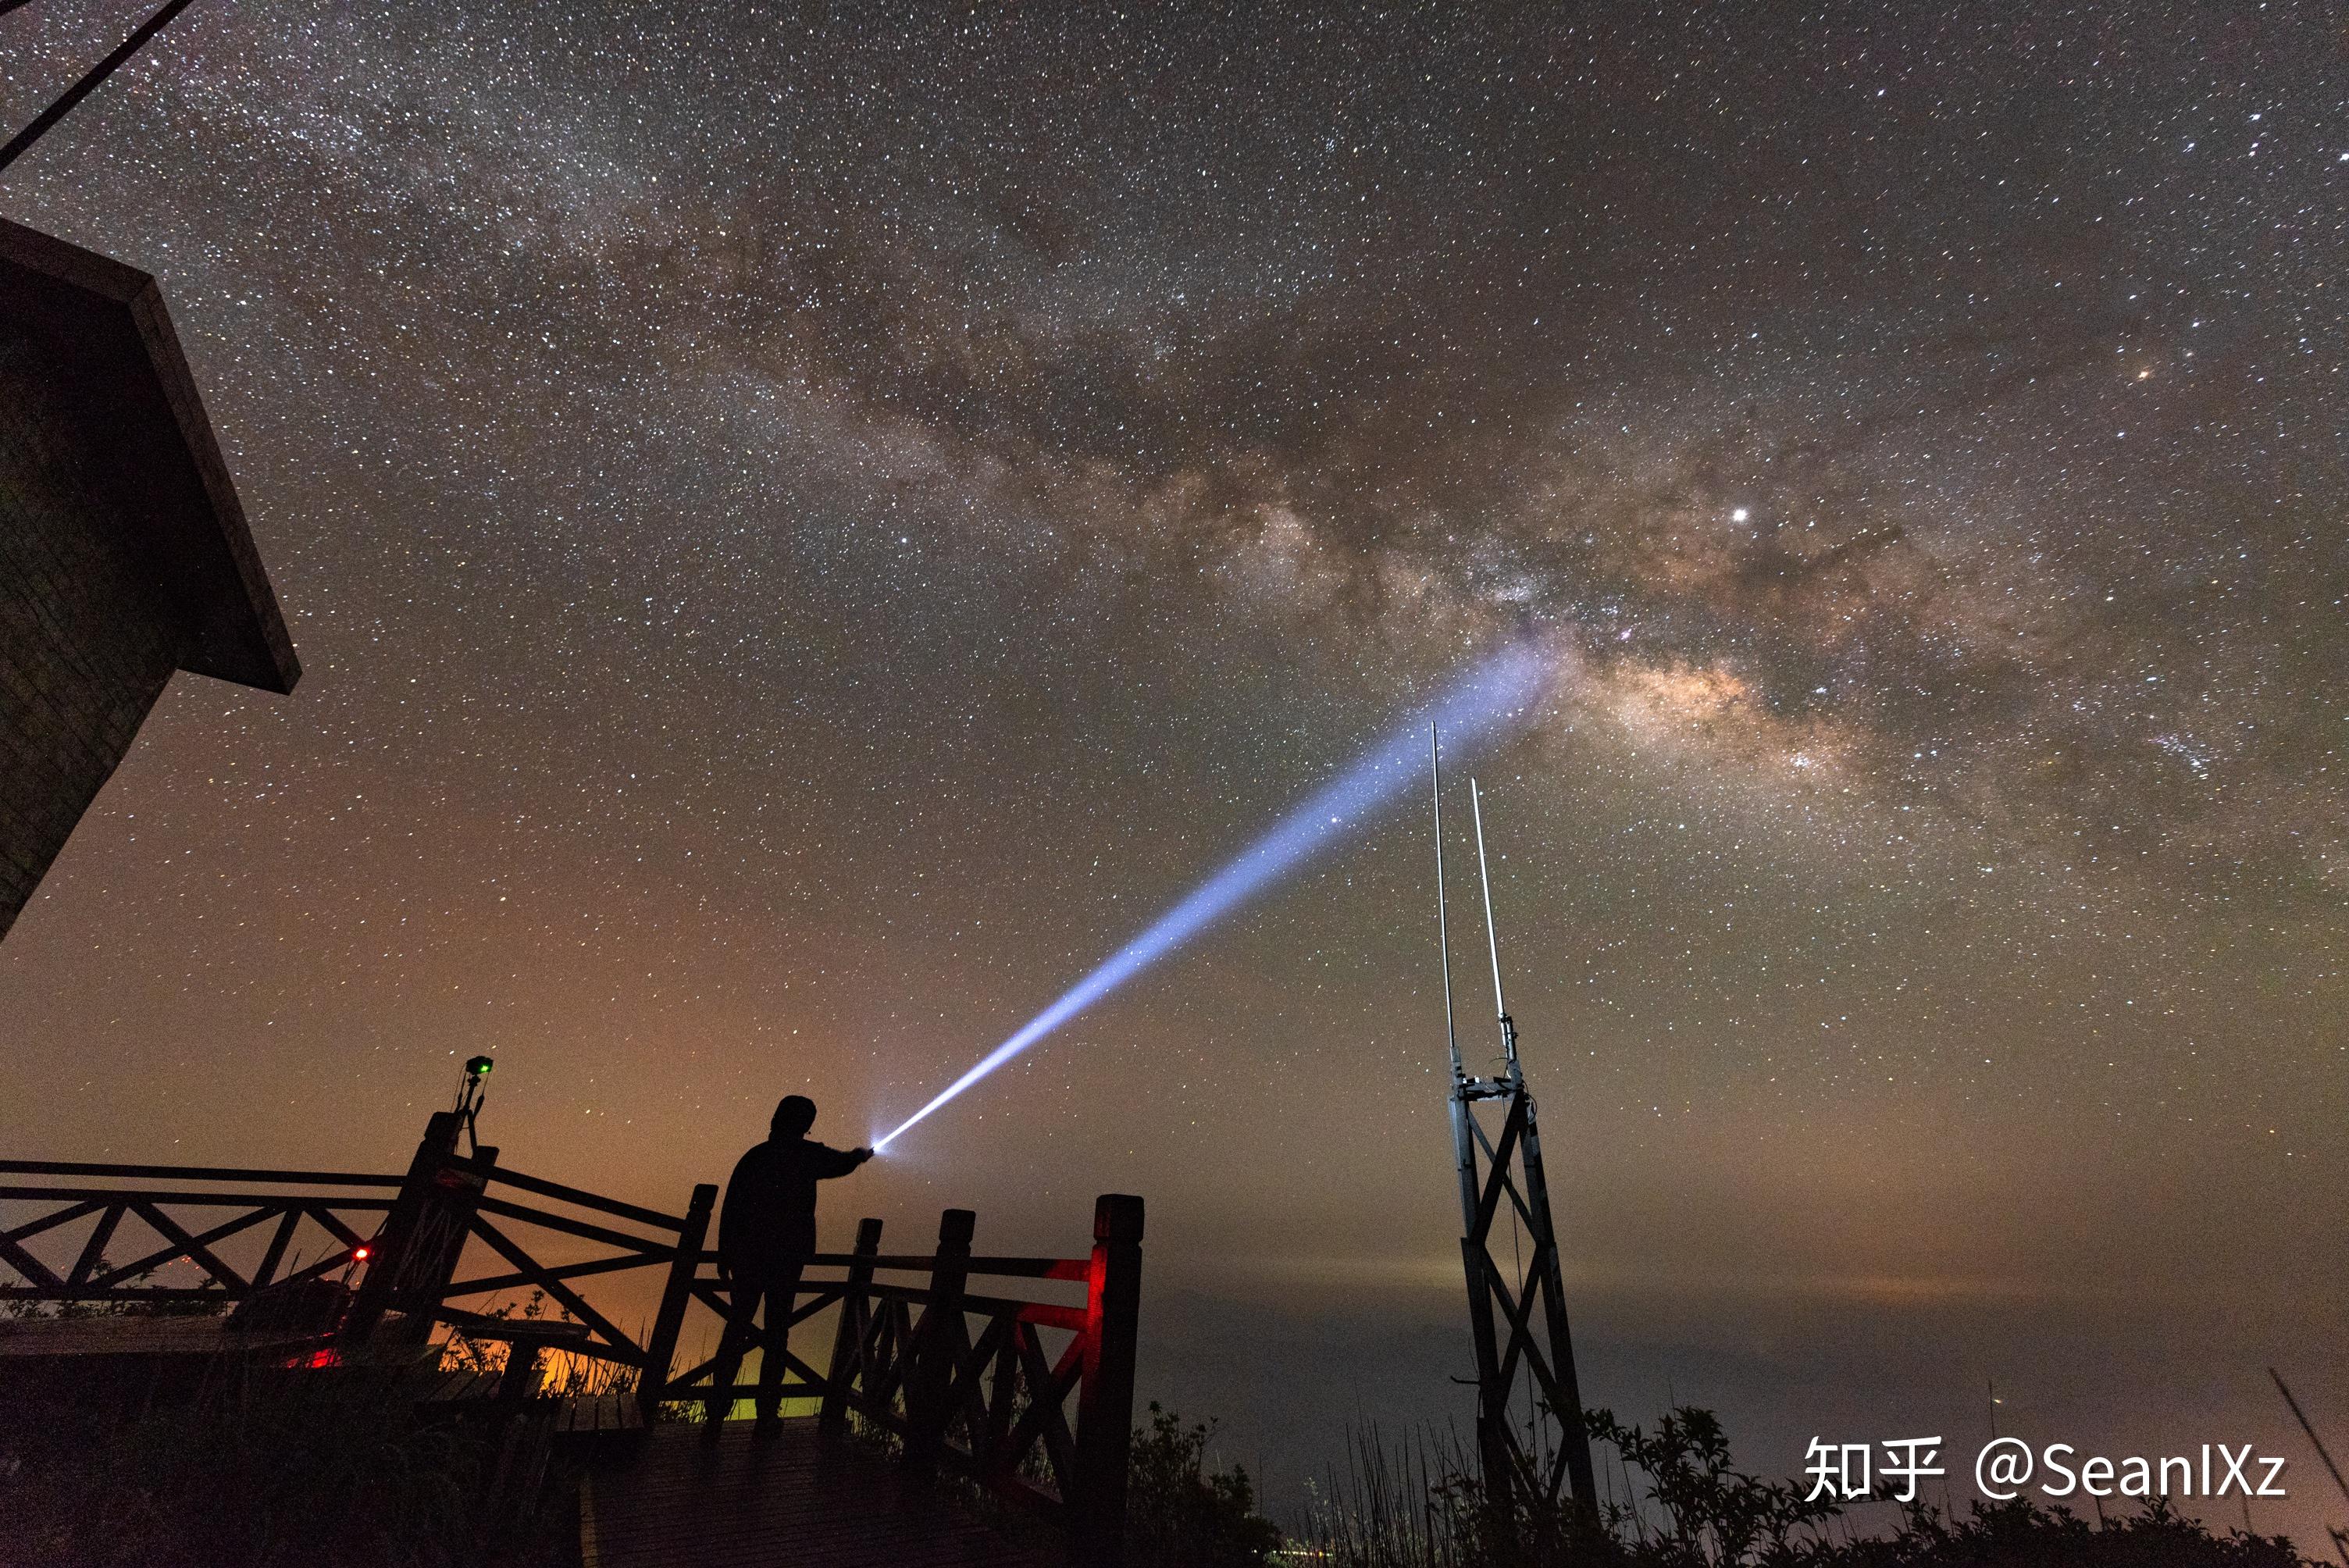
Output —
(1541, 1454)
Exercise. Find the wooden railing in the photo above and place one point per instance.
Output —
(179, 1208)
(970, 1381)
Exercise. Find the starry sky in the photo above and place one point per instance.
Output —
(807, 527)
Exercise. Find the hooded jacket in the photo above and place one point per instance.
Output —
(770, 1212)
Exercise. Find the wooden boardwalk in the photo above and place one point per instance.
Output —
(568, 1414)
(791, 1499)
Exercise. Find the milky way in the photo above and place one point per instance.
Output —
(807, 527)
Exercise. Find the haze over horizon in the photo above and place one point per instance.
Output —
(805, 529)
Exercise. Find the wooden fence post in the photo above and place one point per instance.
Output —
(660, 1350)
(929, 1401)
(1105, 1393)
(848, 1339)
(390, 1245)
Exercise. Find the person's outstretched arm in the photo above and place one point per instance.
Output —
(831, 1162)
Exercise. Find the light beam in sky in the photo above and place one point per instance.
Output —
(1489, 699)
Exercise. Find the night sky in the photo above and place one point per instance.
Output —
(806, 529)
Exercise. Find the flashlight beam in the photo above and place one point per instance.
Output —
(1488, 700)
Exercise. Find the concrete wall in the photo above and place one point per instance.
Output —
(88, 637)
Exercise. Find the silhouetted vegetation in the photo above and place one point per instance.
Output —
(268, 1469)
(1425, 1506)
(25, 1311)
(269, 1466)
(1181, 1515)
(280, 1474)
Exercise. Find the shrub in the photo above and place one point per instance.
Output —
(1179, 1514)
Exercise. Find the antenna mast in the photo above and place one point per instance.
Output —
(1547, 1460)
(1443, 919)
(1492, 936)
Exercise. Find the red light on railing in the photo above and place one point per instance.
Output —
(359, 1255)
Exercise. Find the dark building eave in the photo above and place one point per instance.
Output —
(105, 328)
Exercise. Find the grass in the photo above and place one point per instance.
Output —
(265, 1466)
(275, 1469)
(1423, 1505)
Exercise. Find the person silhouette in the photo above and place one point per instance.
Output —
(765, 1232)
